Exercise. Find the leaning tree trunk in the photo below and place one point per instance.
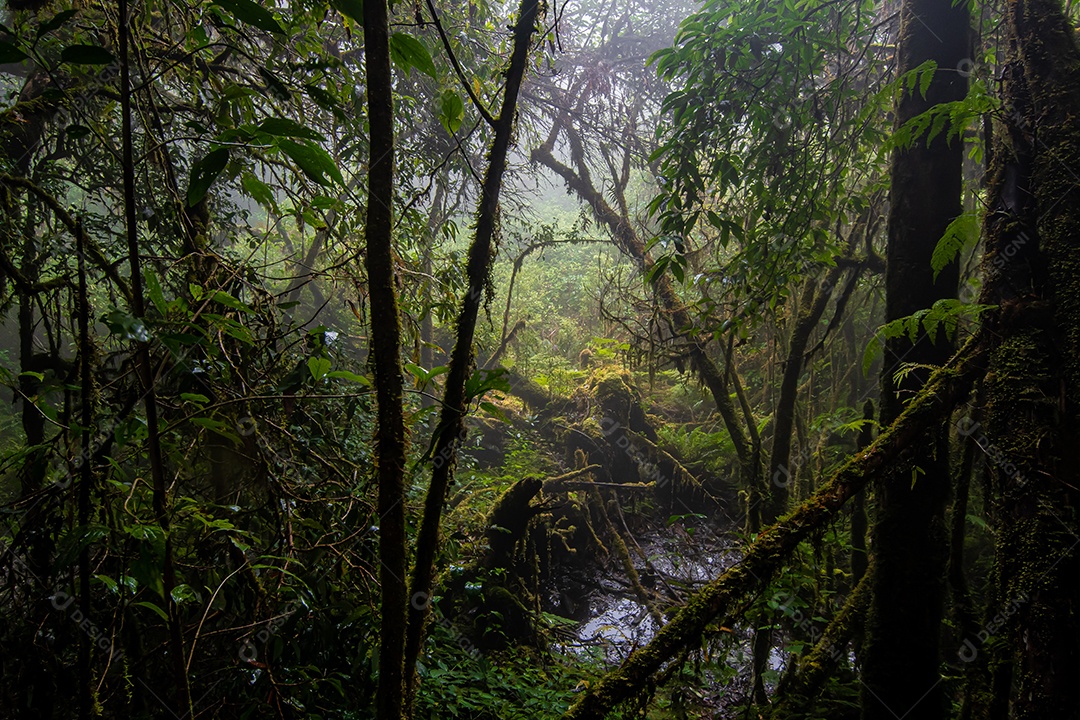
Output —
(386, 353)
(1032, 390)
(901, 653)
(451, 427)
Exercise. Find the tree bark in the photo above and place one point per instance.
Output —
(901, 656)
(1032, 263)
(390, 440)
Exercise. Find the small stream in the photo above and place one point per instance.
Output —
(611, 621)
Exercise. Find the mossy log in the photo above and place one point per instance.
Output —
(722, 598)
(508, 521)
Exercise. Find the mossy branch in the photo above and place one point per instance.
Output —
(721, 599)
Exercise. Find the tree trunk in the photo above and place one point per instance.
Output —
(901, 654)
(1032, 263)
(451, 427)
(390, 438)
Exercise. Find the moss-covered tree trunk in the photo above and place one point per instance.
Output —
(1032, 266)
(902, 649)
(451, 428)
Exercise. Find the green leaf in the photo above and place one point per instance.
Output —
(284, 127)
(961, 233)
(252, 13)
(228, 300)
(86, 55)
(151, 606)
(184, 593)
(55, 21)
(219, 427)
(153, 288)
(203, 173)
(318, 367)
(407, 52)
(451, 111)
(483, 380)
(494, 410)
(346, 375)
(258, 191)
(312, 160)
(927, 77)
(108, 582)
(352, 9)
(10, 53)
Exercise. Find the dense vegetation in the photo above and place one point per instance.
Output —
(539, 360)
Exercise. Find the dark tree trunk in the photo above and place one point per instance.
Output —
(1032, 264)
(902, 649)
(386, 352)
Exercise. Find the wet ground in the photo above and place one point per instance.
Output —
(674, 560)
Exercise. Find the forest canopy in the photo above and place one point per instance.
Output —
(505, 360)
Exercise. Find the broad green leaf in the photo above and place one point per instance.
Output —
(86, 55)
(258, 191)
(352, 9)
(219, 427)
(153, 288)
(230, 301)
(312, 160)
(55, 21)
(151, 606)
(451, 111)
(10, 53)
(252, 13)
(318, 367)
(407, 52)
(284, 127)
(203, 174)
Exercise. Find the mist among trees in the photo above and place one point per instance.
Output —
(500, 361)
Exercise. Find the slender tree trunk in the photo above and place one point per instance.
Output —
(901, 657)
(775, 496)
(386, 352)
(451, 427)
